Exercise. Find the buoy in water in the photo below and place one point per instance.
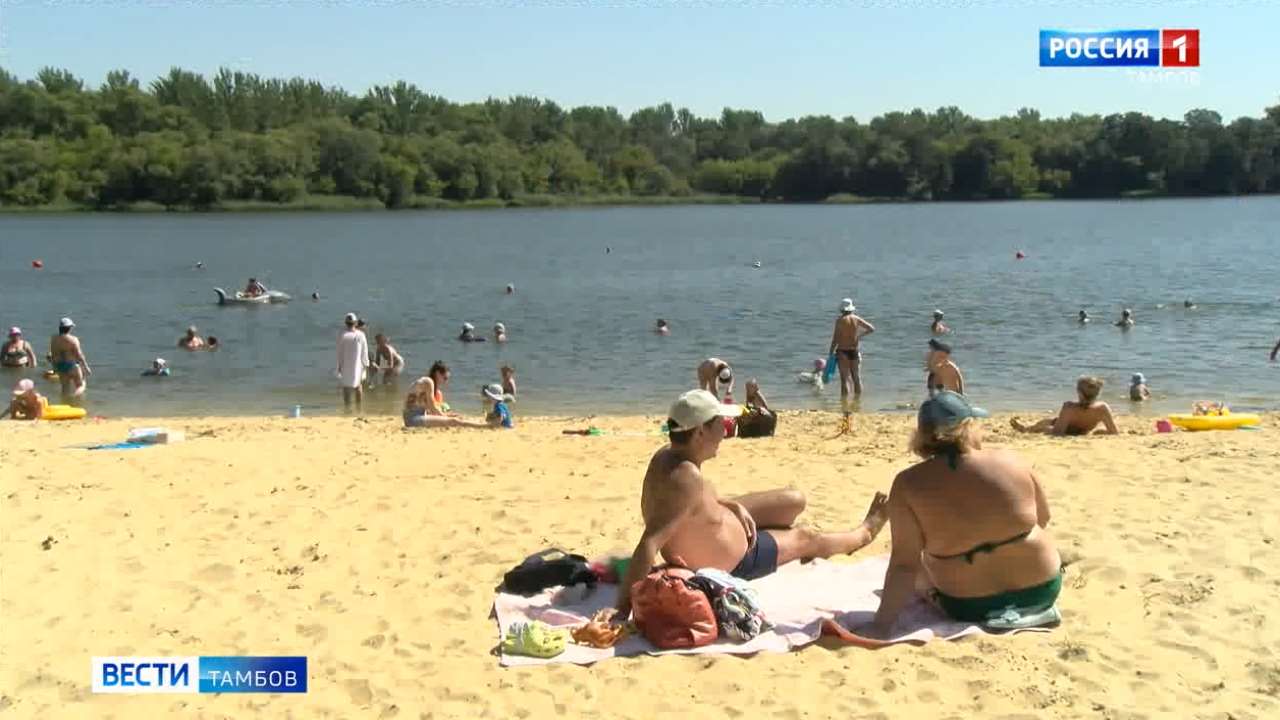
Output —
(1020, 255)
(37, 264)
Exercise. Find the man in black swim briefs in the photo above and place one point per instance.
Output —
(687, 521)
(846, 340)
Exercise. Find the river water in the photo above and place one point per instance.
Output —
(591, 282)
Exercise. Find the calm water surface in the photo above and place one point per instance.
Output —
(591, 282)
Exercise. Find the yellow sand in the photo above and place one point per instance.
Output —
(375, 552)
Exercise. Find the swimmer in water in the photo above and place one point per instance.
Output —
(938, 327)
(1083, 319)
(511, 289)
(200, 266)
(814, 378)
(159, 368)
(499, 332)
(662, 328)
(1138, 390)
(1188, 305)
(1126, 319)
(469, 334)
(191, 341)
(315, 295)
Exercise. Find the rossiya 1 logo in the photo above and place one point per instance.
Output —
(1171, 48)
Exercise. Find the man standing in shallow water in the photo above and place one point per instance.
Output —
(846, 341)
(687, 521)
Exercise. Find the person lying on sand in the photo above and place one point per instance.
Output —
(26, 403)
(968, 523)
(1076, 418)
(687, 521)
(425, 406)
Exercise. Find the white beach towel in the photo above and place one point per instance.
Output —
(803, 602)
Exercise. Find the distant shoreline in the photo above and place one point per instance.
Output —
(343, 203)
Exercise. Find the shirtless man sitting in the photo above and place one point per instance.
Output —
(1076, 418)
(846, 339)
(687, 521)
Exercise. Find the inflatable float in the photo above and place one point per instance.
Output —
(1229, 421)
(239, 298)
(62, 412)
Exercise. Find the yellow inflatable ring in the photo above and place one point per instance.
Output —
(1214, 422)
(62, 412)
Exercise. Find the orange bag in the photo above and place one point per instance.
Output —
(672, 613)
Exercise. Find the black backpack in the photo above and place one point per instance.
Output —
(546, 569)
(757, 423)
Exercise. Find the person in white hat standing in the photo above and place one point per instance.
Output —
(846, 342)
(69, 361)
(353, 362)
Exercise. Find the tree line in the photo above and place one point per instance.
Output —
(186, 141)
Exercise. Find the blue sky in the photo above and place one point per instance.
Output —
(785, 59)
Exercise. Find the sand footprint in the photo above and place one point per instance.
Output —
(217, 573)
(359, 692)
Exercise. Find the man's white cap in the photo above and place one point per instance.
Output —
(499, 327)
(846, 305)
(24, 386)
(938, 313)
(468, 326)
(349, 319)
(66, 323)
(725, 374)
(695, 408)
(159, 362)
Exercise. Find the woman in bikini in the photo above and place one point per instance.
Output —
(969, 527)
(425, 406)
(1079, 417)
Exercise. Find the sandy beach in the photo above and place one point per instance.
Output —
(375, 552)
